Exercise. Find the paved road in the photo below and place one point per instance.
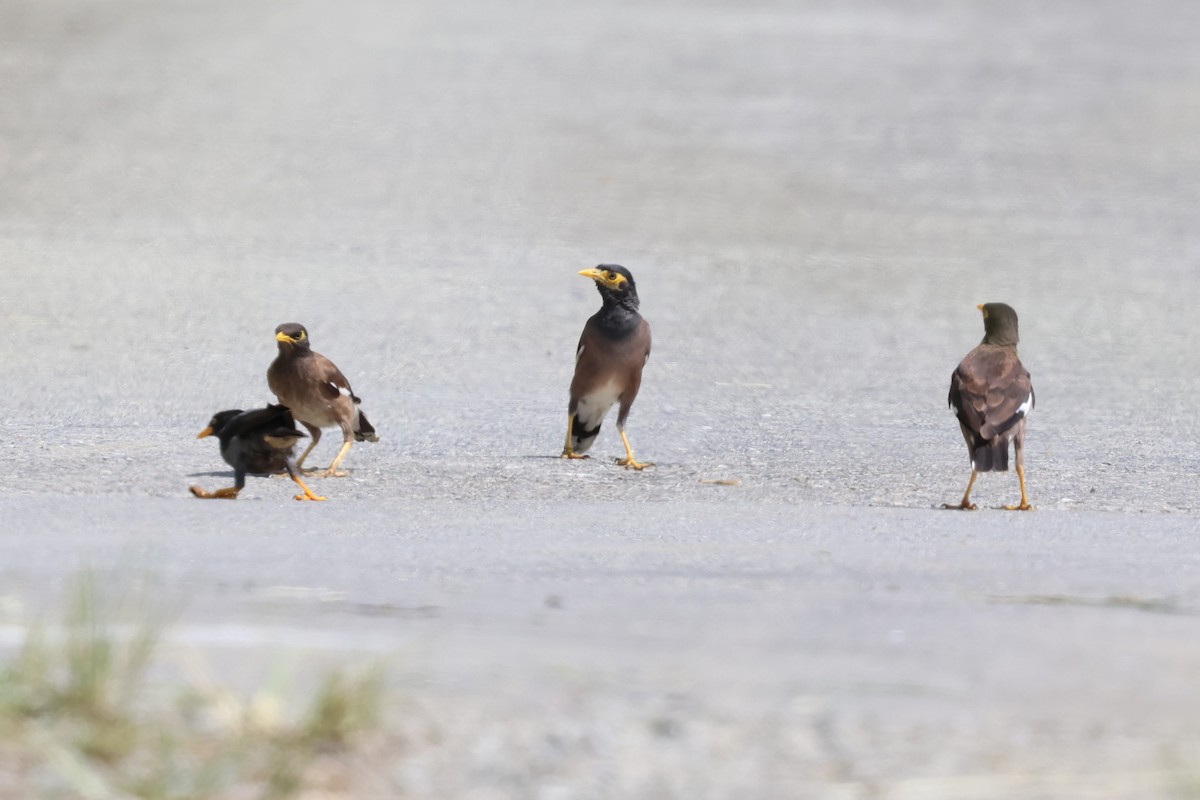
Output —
(812, 197)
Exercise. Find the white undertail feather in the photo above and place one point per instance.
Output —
(590, 412)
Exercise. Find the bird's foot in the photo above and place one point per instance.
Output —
(329, 473)
(965, 505)
(308, 496)
(1022, 506)
(228, 493)
(629, 463)
(573, 455)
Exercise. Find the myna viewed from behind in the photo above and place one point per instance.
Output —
(317, 393)
(992, 394)
(612, 351)
(262, 441)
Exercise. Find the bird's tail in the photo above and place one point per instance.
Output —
(364, 431)
(991, 456)
(582, 436)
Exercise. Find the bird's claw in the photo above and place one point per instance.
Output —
(629, 463)
(314, 497)
(228, 493)
(571, 454)
(1019, 507)
(963, 506)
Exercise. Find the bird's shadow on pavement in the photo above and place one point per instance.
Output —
(610, 460)
(230, 474)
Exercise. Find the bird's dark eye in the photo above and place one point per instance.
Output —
(612, 276)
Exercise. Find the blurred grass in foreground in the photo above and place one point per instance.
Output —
(80, 719)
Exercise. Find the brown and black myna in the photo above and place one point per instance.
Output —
(992, 395)
(262, 441)
(317, 393)
(612, 350)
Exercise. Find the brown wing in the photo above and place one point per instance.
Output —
(639, 354)
(329, 379)
(991, 391)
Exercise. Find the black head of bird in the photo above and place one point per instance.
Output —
(615, 284)
(999, 324)
(292, 337)
(218, 421)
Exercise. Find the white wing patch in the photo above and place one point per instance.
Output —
(579, 354)
(1023, 409)
(344, 391)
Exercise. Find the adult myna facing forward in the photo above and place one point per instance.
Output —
(613, 348)
(262, 441)
(317, 393)
(992, 395)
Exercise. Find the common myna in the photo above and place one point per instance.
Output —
(992, 395)
(317, 393)
(613, 348)
(262, 441)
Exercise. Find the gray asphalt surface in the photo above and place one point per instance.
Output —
(813, 198)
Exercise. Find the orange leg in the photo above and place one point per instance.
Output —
(315, 436)
(568, 450)
(966, 504)
(308, 495)
(1024, 506)
(629, 462)
(333, 471)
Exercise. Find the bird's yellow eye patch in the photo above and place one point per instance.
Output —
(612, 280)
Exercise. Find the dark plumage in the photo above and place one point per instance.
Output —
(612, 351)
(317, 393)
(262, 441)
(992, 394)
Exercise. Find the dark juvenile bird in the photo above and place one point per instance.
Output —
(262, 441)
(613, 348)
(991, 394)
(317, 393)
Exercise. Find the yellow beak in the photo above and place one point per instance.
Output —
(206, 432)
(600, 276)
(283, 337)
